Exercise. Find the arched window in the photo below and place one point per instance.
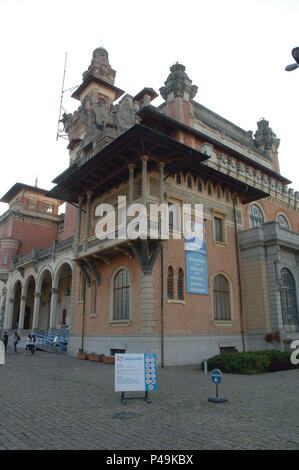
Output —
(181, 284)
(170, 277)
(199, 186)
(256, 216)
(209, 190)
(227, 196)
(178, 178)
(121, 295)
(189, 182)
(288, 297)
(102, 102)
(221, 300)
(283, 222)
(218, 193)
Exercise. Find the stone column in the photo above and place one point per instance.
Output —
(53, 309)
(79, 208)
(131, 182)
(78, 226)
(22, 312)
(144, 160)
(8, 314)
(147, 304)
(2, 309)
(89, 194)
(37, 296)
(161, 182)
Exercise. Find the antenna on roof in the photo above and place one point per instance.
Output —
(60, 107)
(59, 131)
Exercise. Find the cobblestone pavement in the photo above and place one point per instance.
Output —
(52, 402)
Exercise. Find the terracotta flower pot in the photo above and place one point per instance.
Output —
(82, 356)
(94, 357)
(108, 359)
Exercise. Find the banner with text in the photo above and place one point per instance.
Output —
(196, 263)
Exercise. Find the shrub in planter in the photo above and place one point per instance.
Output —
(276, 336)
(272, 337)
(269, 337)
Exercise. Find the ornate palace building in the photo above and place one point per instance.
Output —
(150, 294)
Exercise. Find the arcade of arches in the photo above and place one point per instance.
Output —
(42, 303)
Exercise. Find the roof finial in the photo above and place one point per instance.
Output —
(35, 182)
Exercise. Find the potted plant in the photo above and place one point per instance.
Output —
(272, 337)
(95, 357)
(108, 359)
(82, 354)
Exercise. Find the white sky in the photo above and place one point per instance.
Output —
(235, 51)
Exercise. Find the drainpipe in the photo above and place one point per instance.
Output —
(239, 275)
(162, 308)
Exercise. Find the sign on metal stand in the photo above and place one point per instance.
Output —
(135, 372)
(216, 377)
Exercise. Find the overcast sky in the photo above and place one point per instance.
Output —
(235, 51)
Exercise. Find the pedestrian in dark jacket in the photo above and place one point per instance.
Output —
(5, 340)
(16, 339)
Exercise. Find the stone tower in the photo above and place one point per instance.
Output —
(178, 93)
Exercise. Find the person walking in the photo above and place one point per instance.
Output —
(29, 344)
(5, 340)
(16, 339)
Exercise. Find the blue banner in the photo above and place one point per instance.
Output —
(196, 266)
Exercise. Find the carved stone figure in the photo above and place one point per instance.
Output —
(265, 137)
(125, 114)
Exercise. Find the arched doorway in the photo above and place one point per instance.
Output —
(45, 301)
(17, 291)
(28, 316)
(64, 283)
(288, 295)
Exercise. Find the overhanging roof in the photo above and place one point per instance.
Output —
(17, 187)
(151, 116)
(109, 167)
(91, 78)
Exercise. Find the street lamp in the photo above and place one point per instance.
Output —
(295, 54)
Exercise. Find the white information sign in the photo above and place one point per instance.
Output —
(135, 372)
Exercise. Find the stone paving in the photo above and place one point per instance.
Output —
(50, 401)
